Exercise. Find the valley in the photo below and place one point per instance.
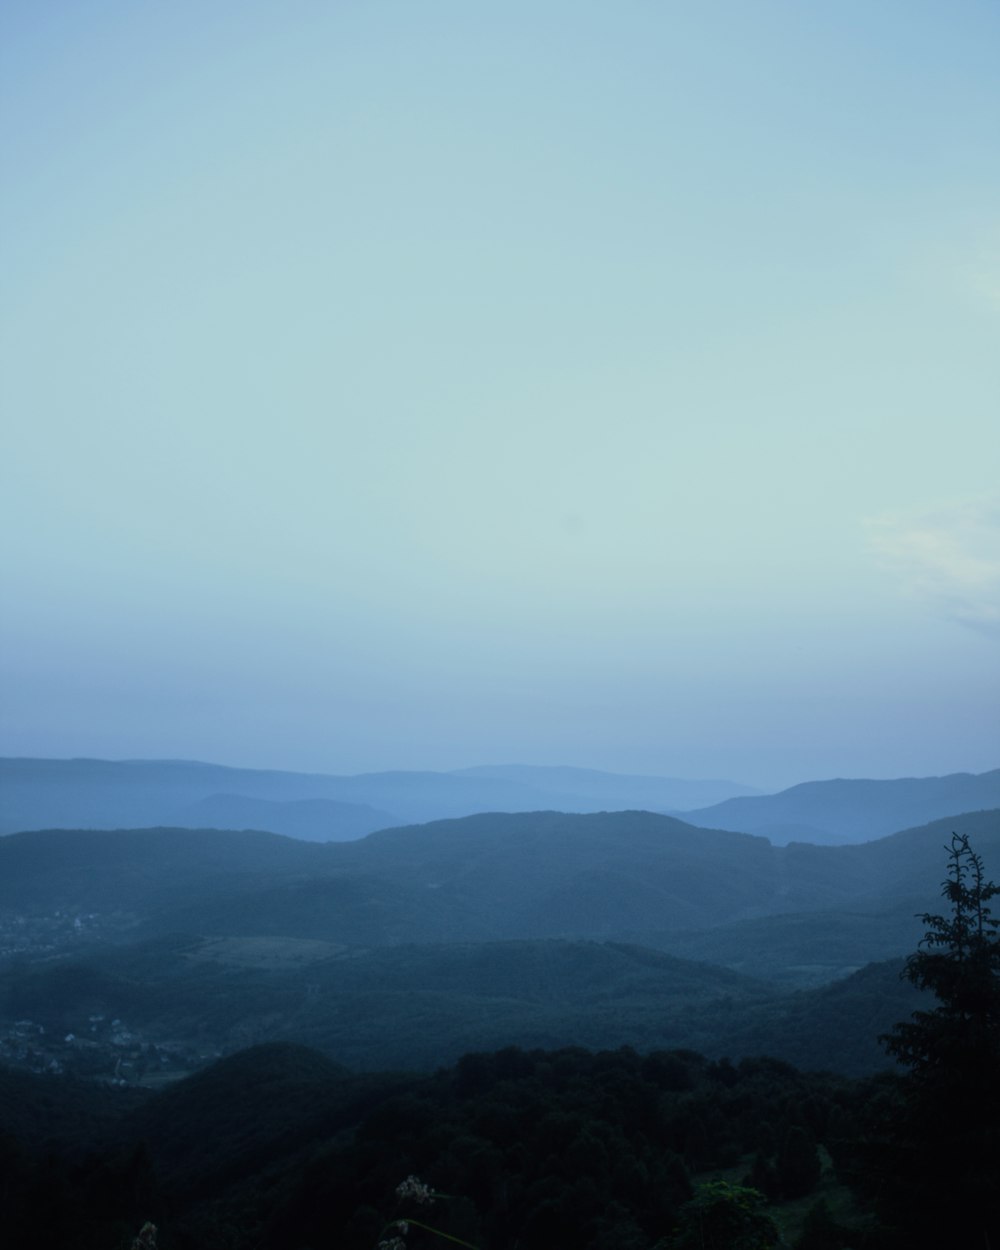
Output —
(410, 947)
(453, 996)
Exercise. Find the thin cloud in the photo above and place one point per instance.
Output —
(948, 559)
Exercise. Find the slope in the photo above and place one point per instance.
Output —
(490, 877)
(39, 793)
(844, 811)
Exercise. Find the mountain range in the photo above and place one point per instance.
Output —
(632, 876)
(842, 811)
(412, 945)
(110, 794)
(105, 794)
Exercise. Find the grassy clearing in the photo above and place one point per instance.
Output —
(264, 952)
(790, 1216)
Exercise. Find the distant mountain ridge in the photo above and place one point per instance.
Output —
(382, 968)
(312, 820)
(632, 876)
(625, 790)
(414, 944)
(105, 794)
(110, 794)
(842, 811)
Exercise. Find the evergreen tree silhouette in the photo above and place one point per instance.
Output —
(940, 1169)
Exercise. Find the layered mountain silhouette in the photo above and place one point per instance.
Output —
(106, 794)
(103, 794)
(840, 811)
(632, 875)
(411, 944)
(314, 820)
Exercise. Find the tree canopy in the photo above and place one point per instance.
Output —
(959, 962)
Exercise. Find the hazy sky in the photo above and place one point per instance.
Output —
(397, 384)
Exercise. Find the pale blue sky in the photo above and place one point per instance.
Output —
(431, 384)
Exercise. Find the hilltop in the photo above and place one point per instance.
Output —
(107, 794)
(412, 945)
(844, 811)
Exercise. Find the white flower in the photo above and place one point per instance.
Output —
(415, 1189)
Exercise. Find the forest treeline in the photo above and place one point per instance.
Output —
(417, 946)
(277, 1147)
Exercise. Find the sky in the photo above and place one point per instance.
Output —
(423, 385)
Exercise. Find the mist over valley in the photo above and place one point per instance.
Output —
(500, 589)
(432, 937)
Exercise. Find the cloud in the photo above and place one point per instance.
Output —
(948, 559)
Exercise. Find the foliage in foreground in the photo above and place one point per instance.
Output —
(721, 1216)
(539, 1148)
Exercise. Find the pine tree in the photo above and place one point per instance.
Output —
(959, 962)
(940, 1157)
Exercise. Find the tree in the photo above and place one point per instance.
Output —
(820, 1231)
(958, 960)
(799, 1164)
(725, 1217)
(939, 1160)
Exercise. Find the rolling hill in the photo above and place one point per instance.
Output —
(106, 794)
(842, 811)
(410, 946)
(481, 878)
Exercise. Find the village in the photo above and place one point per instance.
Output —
(96, 1046)
(101, 1049)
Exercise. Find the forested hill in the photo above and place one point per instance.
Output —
(420, 1006)
(276, 1148)
(161, 947)
(842, 811)
(493, 877)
